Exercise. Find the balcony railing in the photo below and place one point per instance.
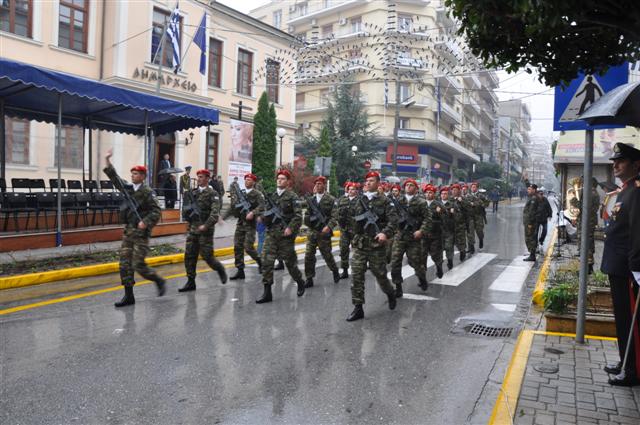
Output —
(448, 113)
(407, 133)
(319, 8)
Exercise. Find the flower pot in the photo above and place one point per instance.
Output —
(595, 324)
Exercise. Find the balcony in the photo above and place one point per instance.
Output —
(414, 101)
(317, 9)
(349, 30)
(449, 114)
(449, 145)
(443, 18)
(407, 133)
(472, 81)
(471, 131)
(448, 49)
(413, 64)
(311, 107)
(449, 84)
(471, 104)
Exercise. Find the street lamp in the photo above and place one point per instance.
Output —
(354, 150)
(281, 133)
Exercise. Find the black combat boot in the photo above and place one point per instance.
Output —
(398, 292)
(439, 271)
(481, 243)
(189, 286)
(309, 283)
(423, 284)
(357, 313)
(222, 273)
(279, 266)
(471, 250)
(449, 263)
(239, 274)
(259, 263)
(531, 257)
(336, 276)
(345, 273)
(391, 296)
(266, 295)
(613, 368)
(301, 287)
(128, 298)
(161, 286)
(463, 255)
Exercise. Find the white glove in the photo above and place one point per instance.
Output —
(636, 276)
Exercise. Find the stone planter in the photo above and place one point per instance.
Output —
(599, 300)
(595, 324)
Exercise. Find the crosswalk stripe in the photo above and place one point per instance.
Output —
(418, 297)
(464, 271)
(505, 307)
(513, 276)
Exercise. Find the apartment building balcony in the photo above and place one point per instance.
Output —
(448, 49)
(449, 84)
(470, 103)
(471, 131)
(414, 101)
(443, 18)
(449, 114)
(311, 107)
(486, 133)
(413, 64)
(491, 77)
(487, 112)
(317, 9)
(411, 134)
(450, 146)
(471, 80)
(489, 96)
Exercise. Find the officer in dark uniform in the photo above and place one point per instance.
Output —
(621, 261)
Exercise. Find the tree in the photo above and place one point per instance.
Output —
(487, 169)
(560, 38)
(264, 143)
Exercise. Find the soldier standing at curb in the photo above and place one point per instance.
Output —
(375, 222)
(530, 222)
(479, 213)
(461, 222)
(432, 242)
(245, 235)
(320, 231)
(414, 223)
(200, 210)
(345, 207)
(142, 212)
(283, 217)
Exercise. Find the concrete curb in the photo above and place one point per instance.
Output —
(20, 281)
(541, 283)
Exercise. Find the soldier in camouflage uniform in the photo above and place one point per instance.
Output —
(462, 220)
(468, 208)
(283, 220)
(432, 242)
(408, 238)
(137, 230)
(451, 214)
(369, 242)
(530, 222)
(345, 205)
(245, 234)
(320, 232)
(593, 218)
(200, 210)
(479, 203)
(393, 192)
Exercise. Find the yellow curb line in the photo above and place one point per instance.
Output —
(20, 281)
(507, 401)
(544, 271)
(115, 288)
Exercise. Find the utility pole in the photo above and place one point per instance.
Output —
(509, 161)
(394, 166)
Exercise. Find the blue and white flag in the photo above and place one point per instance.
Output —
(200, 40)
(173, 32)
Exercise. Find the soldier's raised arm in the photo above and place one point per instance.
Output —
(112, 173)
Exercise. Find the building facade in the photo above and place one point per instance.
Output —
(514, 140)
(121, 43)
(446, 119)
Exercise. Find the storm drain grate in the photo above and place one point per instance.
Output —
(482, 330)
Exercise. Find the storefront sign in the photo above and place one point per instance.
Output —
(167, 80)
(407, 154)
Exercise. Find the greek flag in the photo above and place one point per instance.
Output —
(173, 32)
(200, 40)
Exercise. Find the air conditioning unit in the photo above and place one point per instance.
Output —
(306, 125)
(343, 21)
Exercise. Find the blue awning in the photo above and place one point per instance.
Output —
(32, 93)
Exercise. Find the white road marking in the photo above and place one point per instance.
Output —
(418, 297)
(464, 271)
(505, 307)
(513, 276)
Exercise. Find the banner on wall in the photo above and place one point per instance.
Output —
(240, 153)
(570, 149)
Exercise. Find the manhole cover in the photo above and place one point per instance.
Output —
(553, 351)
(546, 368)
(482, 330)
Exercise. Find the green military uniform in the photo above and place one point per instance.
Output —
(529, 220)
(368, 252)
(391, 240)
(244, 237)
(185, 183)
(278, 246)
(318, 240)
(201, 242)
(404, 242)
(592, 219)
(478, 202)
(433, 241)
(463, 243)
(345, 221)
(453, 230)
(135, 242)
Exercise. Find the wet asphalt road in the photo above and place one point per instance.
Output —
(214, 356)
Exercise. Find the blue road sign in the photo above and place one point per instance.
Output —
(573, 100)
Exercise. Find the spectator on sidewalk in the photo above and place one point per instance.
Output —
(494, 196)
(621, 261)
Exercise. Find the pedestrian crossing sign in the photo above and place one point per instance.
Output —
(581, 93)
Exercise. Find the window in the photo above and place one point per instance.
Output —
(245, 67)
(327, 30)
(15, 16)
(277, 18)
(403, 123)
(299, 101)
(404, 23)
(160, 20)
(73, 24)
(404, 91)
(17, 140)
(212, 153)
(215, 62)
(355, 53)
(71, 148)
(273, 80)
(356, 24)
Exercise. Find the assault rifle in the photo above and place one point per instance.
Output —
(370, 218)
(242, 205)
(274, 211)
(129, 204)
(190, 209)
(316, 214)
(405, 220)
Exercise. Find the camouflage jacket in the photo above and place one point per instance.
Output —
(418, 209)
(387, 219)
(328, 208)
(148, 207)
(453, 216)
(530, 211)
(437, 217)
(289, 204)
(478, 202)
(465, 207)
(208, 201)
(344, 209)
(255, 198)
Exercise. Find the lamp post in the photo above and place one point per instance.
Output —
(281, 133)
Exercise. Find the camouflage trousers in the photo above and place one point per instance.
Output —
(413, 249)
(455, 238)
(280, 247)
(243, 240)
(470, 230)
(199, 243)
(345, 244)
(531, 237)
(432, 246)
(133, 251)
(478, 225)
(375, 259)
(317, 240)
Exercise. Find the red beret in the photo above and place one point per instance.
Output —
(464, 186)
(139, 169)
(455, 186)
(429, 188)
(444, 189)
(412, 181)
(251, 176)
(395, 186)
(203, 171)
(358, 185)
(372, 174)
(285, 173)
(475, 184)
(350, 185)
(347, 184)
(322, 179)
